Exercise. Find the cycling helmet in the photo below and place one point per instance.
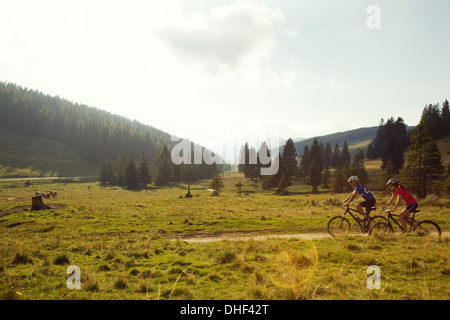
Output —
(353, 178)
(392, 181)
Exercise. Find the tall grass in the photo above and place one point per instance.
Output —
(121, 241)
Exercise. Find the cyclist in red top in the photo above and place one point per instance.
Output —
(401, 194)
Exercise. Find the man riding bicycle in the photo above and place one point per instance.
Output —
(369, 199)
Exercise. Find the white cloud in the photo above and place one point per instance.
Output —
(332, 82)
(225, 38)
(312, 86)
(291, 33)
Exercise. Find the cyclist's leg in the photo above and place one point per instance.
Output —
(359, 207)
(365, 204)
(403, 215)
(409, 208)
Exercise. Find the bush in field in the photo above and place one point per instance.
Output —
(333, 202)
(216, 184)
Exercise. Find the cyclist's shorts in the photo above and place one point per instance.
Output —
(368, 203)
(412, 207)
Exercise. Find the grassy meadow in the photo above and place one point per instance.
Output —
(138, 245)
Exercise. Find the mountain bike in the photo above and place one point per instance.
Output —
(424, 227)
(341, 226)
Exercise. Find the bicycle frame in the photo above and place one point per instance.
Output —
(391, 217)
(349, 210)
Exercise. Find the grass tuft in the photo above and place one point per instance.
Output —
(121, 283)
(61, 260)
(21, 259)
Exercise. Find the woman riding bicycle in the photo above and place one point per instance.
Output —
(369, 199)
(401, 194)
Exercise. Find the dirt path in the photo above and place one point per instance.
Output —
(246, 237)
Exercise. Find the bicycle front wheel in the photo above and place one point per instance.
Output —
(428, 228)
(380, 229)
(374, 220)
(338, 226)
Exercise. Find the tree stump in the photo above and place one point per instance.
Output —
(37, 204)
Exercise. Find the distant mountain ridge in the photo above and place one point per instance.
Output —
(355, 137)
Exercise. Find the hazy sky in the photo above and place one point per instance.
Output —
(225, 68)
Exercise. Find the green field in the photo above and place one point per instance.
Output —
(138, 245)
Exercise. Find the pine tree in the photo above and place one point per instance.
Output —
(424, 163)
(392, 128)
(326, 177)
(327, 155)
(266, 154)
(131, 175)
(389, 171)
(251, 166)
(144, 176)
(369, 153)
(119, 169)
(445, 115)
(316, 154)
(305, 162)
(216, 184)
(347, 172)
(431, 117)
(102, 175)
(336, 157)
(393, 152)
(109, 169)
(447, 181)
(358, 169)
(163, 167)
(283, 185)
(339, 181)
(315, 175)
(274, 180)
(345, 153)
(290, 158)
(188, 173)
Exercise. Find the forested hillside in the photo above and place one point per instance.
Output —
(83, 138)
(93, 132)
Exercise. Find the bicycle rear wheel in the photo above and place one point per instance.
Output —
(338, 226)
(428, 228)
(380, 229)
